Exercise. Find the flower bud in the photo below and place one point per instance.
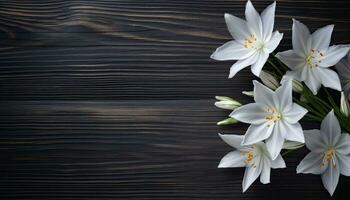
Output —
(227, 121)
(269, 80)
(292, 145)
(344, 105)
(248, 93)
(226, 103)
(297, 86)
(303, 99)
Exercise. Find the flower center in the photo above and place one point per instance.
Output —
(329, 157)
(274, 115)
(314, 58)
(248, 153)
(250, 41)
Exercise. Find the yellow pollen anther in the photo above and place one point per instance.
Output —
(314, 58)
(329, 155)
(249, 156)
(249, 41)
(274, 116)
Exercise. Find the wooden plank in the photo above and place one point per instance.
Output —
(129, 149)
(132, 50)
(110, 99)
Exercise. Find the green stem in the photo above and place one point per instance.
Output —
(310, 109)
(280, 62)
(315, 98)
(316, 105)
(288, 151)
(318, 108)
(274, 66)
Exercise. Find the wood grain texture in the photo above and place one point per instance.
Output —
(113, 99)
(129, 149)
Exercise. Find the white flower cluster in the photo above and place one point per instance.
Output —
(274, 116)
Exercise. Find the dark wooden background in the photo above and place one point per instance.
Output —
(114, 99)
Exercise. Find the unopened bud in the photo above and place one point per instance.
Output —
(303, 99)
(292, 145)
(269, 80)
(226, 103)
(227, 121)
(344, 105)
(248, 93)
(297, 86)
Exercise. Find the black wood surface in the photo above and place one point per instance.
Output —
(114, 99)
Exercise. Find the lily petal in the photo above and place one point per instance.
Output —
(291, 59)
(253, 113)
(256, 133)
(240, 64)
(259, 64)
(301, 38)
(250, 175)
(231, 50)
(236, 26)
(232, 140)
(314, 141)
(311, 164)
(253, 19)
(344, 164)
(321, 38)
(278, 163)
(334, 54)
(343, 68)
(268, 21)
(294, 114)
(330, 128)
(265, 172)
(232, 159)
(328, 78)
(330, 178)
(292, 132)
(274, 41)
(347, 90)
(275, 142)
(343, 144)
(284, 95)
(299, 74)
(263, 94)
(312, 81)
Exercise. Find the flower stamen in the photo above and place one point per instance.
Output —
(250, 41)
(274, 115)
(249, 155)
(329, 155)
(314, 58)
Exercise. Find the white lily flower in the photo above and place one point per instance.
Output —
(273, 117)
(343, 68)
(253, 39)
(312, 56)
(344, 105)
(255, 158)
(269, 80)
(329, 154)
